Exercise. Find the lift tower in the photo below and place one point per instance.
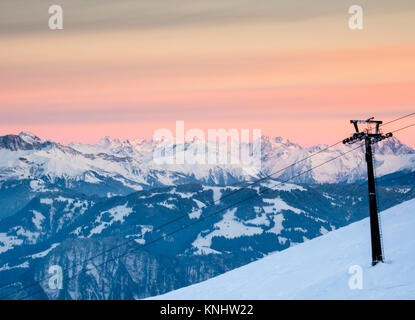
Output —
(371, 135)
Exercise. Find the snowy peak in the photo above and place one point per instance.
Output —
(22, 141)
(393, 146)
(268, 143)
(28, 137)
(285, 142)
(110, 143)
(132, 161)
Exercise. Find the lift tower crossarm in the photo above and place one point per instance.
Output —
(371, 138)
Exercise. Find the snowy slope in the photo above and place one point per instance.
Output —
(319, 268)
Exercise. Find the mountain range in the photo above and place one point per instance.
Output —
(29, 166)
(124, 227)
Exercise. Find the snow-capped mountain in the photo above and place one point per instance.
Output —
(63, 204)
(131, 163)
(99, 241)
(390, 156)
(323, 267)
(30, 166)
(27, 157)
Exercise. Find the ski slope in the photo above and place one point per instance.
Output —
(319, 268)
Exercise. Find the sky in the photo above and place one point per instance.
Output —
(128, 68)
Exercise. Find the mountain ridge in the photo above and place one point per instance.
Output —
(134, 160)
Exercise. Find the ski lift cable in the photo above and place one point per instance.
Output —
(174, 231)
(203, 218)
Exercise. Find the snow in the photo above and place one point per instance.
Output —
(324, 267)
(229, 227)
(277, 205)
(404, 190)
(37, 185)
(132, 163)
(259, 220)
(327, 196)
(217, 192)
(77, 231)
(118, 213)
(195, 214)
(28, 137)
(184, 195)
(29, 235)
(387, 164)
(90, 178)
(38, 219)
(23, 265)
(276, 185)
(278, 227)
(63, 199)
(46, 201)
(199, 204)
(323, 230)
(167, 205)
(8, 242)
(45, 252)
(92, 270)
(139, 238)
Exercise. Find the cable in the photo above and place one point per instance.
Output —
(221, 210)
(204, 205)
(397, 130)
(397, 119)
(235, 191)
(229, 194)
(221, 198)
(179, 229)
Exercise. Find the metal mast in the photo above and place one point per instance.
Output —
(370, 138)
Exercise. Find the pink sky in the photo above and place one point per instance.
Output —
(302, 79)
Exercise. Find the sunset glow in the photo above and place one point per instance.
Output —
(295, 78)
